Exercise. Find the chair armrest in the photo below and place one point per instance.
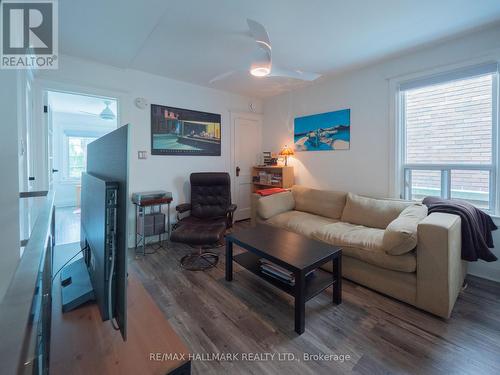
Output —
(230, 215)
(183, 207)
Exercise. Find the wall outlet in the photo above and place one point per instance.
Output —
(142, 154)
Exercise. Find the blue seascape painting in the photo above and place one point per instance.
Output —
(323, 132)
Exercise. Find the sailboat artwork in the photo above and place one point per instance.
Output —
(323, 132)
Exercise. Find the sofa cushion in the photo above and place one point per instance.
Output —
(320, 202)
(370, 212)
(275, 204)
(400, 236)
(400, 285)
(300, 222)
(346, 234)
(365, 244)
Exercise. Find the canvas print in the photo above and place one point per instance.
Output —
(177, 131)
(323, 132)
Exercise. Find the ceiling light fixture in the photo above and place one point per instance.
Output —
(260, 71)
(107, 113)
(262, 66)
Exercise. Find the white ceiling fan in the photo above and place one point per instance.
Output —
(106, 113)
(263, 66)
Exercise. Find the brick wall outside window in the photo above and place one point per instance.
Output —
(450, 123)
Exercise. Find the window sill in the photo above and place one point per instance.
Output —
(68, 182)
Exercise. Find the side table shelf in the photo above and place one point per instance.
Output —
(151, 207)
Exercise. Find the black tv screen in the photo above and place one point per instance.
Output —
(177, 131)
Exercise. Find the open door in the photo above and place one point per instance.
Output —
(247, 136)
(73, 120)
(50, 141)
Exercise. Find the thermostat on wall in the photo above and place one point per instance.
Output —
(141, 103)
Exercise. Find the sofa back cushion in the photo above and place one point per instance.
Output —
(400, 236)
(319, 202)
(275, 204)
(371, 212)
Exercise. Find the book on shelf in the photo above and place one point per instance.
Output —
(273, 270)
(286, 281)
(277, 271)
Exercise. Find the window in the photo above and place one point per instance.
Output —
(77, 156)
(448, 129)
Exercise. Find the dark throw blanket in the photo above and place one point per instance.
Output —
(476, 227)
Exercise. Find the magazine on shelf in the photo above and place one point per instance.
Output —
(277, 274)
(271, 269)
(270, 274)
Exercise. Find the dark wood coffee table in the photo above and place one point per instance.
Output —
(293, 252)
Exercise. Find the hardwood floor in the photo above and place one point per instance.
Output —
(67, 225)
(379, 334)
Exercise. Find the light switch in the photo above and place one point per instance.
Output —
(142, 154)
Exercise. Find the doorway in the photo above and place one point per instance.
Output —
(247, 152)
(73, 121)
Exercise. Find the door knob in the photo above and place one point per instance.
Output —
(238, 171)
(55, 170)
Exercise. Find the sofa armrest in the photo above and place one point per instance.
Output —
(440, 269)
(275, 204)
(254, 199)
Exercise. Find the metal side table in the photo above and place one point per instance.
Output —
(153, 206)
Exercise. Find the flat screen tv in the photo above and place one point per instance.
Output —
(177, 131)
(101, 274)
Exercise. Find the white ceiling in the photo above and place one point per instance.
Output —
(80, 104)
(194, 41)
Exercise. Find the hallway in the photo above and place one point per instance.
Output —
(67, 225)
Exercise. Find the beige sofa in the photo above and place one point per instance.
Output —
(391, 246)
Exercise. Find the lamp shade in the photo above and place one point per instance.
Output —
(286, 151)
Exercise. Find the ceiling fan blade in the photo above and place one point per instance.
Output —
(89, 113)
(222, 76)
(296, 74)
(260, 35)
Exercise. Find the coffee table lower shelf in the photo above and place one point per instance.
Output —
(313, 286)
(293, 252)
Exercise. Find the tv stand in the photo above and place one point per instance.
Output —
(81, 344)
(76, 288)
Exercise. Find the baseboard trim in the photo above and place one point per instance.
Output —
(63, 204)
(491, 275)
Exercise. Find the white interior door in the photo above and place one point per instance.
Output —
(247, 130)
(50, 145)
(31, 136)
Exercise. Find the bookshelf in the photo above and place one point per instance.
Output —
(272, 176)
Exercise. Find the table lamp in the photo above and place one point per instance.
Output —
(286, 152)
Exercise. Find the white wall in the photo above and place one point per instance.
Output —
(489, 270)
(74, 123)
(365, 168)
(157, 172)
(9, 197)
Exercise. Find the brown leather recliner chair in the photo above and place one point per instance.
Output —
(211, 214)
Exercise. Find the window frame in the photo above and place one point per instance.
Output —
(65, 158)
(401, 186)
